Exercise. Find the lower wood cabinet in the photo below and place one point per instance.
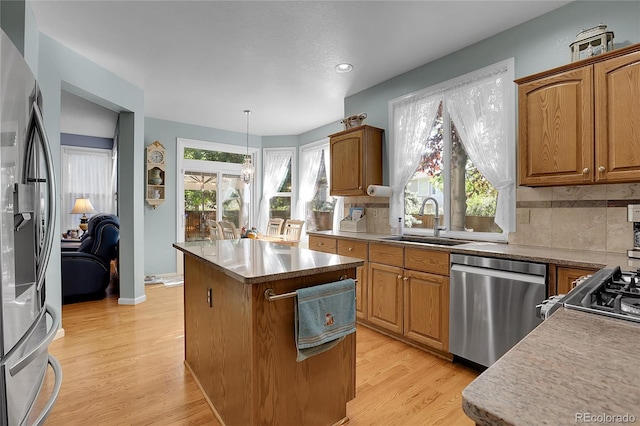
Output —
(426, 309)
(403, 291)
(567, 276)
(357, 249)
(386, 296)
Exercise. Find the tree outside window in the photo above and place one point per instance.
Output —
(472, 199)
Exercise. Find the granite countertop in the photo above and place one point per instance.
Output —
(563, 257)
(252, 261)
(575, 367)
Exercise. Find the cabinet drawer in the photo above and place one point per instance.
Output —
(325, 244)
(432, 261)
(353, 249)
(386, 254)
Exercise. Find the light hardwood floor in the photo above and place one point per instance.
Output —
(123, 365)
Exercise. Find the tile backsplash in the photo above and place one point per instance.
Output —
(590, 217)
(375, 208)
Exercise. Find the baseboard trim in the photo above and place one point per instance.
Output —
(129, 301)
(59, 334)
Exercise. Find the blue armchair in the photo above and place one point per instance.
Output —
(86, 272)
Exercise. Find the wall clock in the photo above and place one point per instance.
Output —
(155, 176)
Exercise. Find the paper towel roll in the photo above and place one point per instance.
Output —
(379, 191)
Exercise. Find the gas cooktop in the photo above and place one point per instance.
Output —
(611, 292)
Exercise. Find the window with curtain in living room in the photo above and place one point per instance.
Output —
(86, 173)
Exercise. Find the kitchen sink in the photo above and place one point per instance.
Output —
(428, 240)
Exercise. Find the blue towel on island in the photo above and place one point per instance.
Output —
(324, 315)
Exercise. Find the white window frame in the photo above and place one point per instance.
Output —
(510, 105)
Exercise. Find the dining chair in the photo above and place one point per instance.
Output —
(228, 230)
(214, 230)
(293, 229)
(274, 227)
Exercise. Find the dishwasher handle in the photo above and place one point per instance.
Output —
(500, 264)
(495, 273)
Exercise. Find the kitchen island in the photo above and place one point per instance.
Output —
(575, 367)
(240, 347)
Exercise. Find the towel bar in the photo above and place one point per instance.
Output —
(271, 295)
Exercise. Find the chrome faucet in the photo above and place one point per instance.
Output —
(436, 219)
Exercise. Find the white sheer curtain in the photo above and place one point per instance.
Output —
(275, 166)
(309, 167)
(86, 173)
(412, 120)
(478, 110)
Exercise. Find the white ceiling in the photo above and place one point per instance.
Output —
(204, 62)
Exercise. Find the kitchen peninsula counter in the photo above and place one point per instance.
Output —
(240, 347)
(575, 367)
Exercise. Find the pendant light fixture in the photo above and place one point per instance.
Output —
(247, 167)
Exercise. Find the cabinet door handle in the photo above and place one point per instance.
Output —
(405, 279)
(359, 187)
(399, 277)
(585, 170)
(601, 169)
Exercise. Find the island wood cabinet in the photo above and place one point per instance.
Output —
(240, 348)
(580, 123)
(356, 160)
(349, 248)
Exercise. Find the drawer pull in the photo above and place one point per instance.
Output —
(350, 248)
(320, 244)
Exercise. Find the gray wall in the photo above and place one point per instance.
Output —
(62, 69)
(160, 223)
(536, 45)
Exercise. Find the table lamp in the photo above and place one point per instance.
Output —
(83, 205)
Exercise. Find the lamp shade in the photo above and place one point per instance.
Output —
(83, 205)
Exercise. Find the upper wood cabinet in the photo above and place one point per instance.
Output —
(356, 160)
(580, 123)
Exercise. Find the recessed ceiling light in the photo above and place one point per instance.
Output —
(344, 67)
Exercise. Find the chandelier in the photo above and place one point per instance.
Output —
(246, 175)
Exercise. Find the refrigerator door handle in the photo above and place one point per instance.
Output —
(36, 124)
(57, 369)
(42, 346)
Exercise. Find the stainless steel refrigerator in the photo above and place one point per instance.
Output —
(27, 212)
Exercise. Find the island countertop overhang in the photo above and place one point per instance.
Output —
(252, 261)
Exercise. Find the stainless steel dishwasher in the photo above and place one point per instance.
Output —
(492, 305)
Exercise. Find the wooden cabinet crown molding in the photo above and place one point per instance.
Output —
(579, 64)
